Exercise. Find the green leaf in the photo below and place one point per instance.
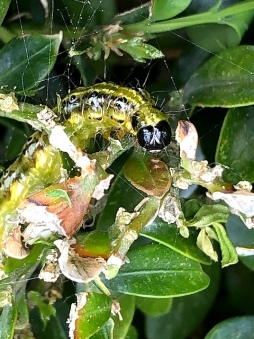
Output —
(26, 113)
(154, 306)
(166, 9)
(148, 174)
(25, 62)
(105, 332)
(121, 327)
(4, 5)
(235, 328)
(169, 236)
(157, 271)
(92, 315)
(236, 142)
(139, 50)
(229, 255)
(181, 320)
(45, 310)
(132, 333)
(224, 80)
(205, 244)
(7, 322)
(209, 214)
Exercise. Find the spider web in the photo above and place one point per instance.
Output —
(158, 77)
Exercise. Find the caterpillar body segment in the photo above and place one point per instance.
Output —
(104, 108)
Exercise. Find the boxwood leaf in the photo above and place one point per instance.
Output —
(148, 174)
(169, 236)
(93, 311)
(121, 327)
(7, 321)
(224, 80)
(165, 9)
(229, 255)
(157, 271)
(26, 61)
(4, 5)
(237, 142)
(237, 327)
(154, 306)
(180, 321)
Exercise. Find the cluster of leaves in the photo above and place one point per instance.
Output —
(169, 266)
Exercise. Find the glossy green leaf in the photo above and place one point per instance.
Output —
(169, 236)
(166, 9)
(237, 142)
(105, 332)
(7, 321)
(181, 320)
(148, 174)
(209, 214)
(4, 5)
(157, 271)
(121, 327)
(93, 315)
(26, 61)
(234, 328)
(229, 255)
(224, 80)
(154, 306)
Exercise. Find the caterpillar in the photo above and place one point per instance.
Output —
(85, 112)
(105, 107)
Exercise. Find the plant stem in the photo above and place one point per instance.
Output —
(147, 26)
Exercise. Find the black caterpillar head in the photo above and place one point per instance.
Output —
(155, 138)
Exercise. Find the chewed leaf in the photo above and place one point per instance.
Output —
(90, 313)
(13, 246)
(76, 268)
(59, 193)
(240, 202)
(93, 244)
(8, 103)
(43, 209)
(148, 174)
